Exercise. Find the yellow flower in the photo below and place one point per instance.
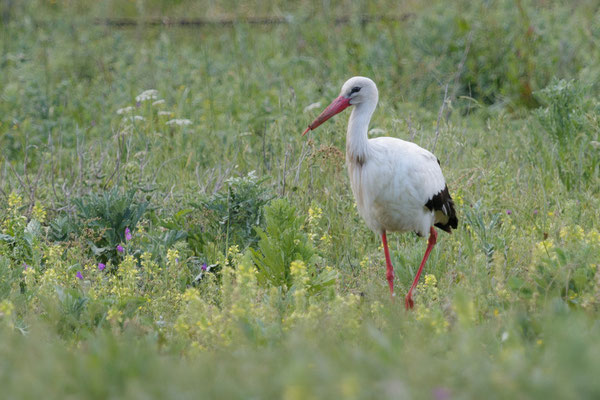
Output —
(14, 201)
(430, 280)
(39, 213)
(233, 251)
(299, 273)
(29, 276)
(545, 246)
(593, 237)
(579, 232)
(191, 294)
(458, 199)
(172, 257)
(114, 316)
(563, 232)
(181, 327)
(422, 313)
(326, 239)
(314, 213)
(6, 308)
(364, 262)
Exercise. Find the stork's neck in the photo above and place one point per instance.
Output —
(357, 141)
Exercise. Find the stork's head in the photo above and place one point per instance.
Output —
(355, 91)
(360, 89)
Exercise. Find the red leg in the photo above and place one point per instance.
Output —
(408, 302)
(388, 264)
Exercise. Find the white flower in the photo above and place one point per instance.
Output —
(312, 107)
(158, 102)
(150, 94)
(125, 110)
(161, 322)
(504, 336)
(134, 118)
(179, 122)
(376, 131)
(165, 113)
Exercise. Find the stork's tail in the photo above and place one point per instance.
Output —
(443, 207)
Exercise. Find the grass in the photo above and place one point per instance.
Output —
(249, 273)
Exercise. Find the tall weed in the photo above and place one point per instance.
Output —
(100, 219)
(570, 119)
(231, 215)
(282, 242)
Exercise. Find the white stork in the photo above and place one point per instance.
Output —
(398, 186)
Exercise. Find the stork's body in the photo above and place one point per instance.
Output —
(393, 184)
(398, 186)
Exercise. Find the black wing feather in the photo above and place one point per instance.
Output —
(442, 202)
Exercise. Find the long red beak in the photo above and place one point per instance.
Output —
(337, 106)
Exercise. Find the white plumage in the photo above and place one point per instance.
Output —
(398, 186)
(392, 188)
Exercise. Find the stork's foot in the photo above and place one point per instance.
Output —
(408, 302)
(390, 279)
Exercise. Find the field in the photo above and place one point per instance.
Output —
(166, 231)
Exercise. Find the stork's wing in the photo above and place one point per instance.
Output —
(419, 178)
(431, 186)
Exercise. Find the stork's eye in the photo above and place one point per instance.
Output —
(355, 89)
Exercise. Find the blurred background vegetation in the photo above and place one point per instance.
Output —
(167, 232)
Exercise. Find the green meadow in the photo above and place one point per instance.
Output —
(166, 231)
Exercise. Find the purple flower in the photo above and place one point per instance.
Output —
(25, 266)
(101, 266)
(120, 248)
(79, 275)
(93, 123)
(127, 234)
(138, 104)
(508, 212)
(204, 267)
(535, 211)
(441, 393)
